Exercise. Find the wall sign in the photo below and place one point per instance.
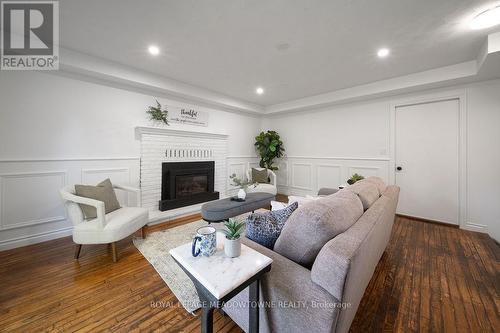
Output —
(187, 116)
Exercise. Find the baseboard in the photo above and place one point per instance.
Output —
(429, 221)
(34, 239)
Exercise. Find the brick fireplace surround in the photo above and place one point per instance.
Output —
(160, 145)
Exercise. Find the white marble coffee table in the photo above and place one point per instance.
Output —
(219, 278)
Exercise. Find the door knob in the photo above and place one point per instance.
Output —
(399, 168)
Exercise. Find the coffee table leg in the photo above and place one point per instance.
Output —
(207, 319)
(253, 298)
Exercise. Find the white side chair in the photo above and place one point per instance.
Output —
(106, 228)
(267, 188)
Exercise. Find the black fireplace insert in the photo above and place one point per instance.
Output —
(187, 183)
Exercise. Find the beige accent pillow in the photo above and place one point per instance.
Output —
(103, 192)
(260, 176)
(368, 192)
(378, 182)
(313, 224)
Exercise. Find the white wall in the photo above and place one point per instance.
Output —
(325, 146)
(56, 130)
(483, 162)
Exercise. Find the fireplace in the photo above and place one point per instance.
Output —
(187, 183)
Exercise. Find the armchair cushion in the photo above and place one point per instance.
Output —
(119, 224)
(103, 192)
(260, 176)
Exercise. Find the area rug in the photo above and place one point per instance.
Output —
(155, 249)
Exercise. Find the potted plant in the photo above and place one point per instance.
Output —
(242, 184)
(354, 178)
(269, 146)
(232, 230)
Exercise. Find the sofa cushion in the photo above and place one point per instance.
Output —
(378, 182)
(103, 192)
(260, 176)
(315, 223)
(265, 228)
(367, 192)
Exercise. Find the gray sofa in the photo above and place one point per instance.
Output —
(323, 261)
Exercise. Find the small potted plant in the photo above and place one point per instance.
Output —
(232, 230)
(354, 178)
(242, 184)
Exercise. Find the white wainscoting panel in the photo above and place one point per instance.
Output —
(304, 175)
(328, 175)
(31, 198)
(301, 176)
(365, 171)
(31, 209)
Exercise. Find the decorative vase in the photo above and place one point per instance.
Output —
(232, 247)
(242, 194)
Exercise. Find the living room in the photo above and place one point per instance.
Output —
(228, 166)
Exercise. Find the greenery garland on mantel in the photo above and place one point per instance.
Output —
(157, 114)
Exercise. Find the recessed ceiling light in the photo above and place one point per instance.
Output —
(154, 50)
(259, 90)
(382, 53)
(486, 19)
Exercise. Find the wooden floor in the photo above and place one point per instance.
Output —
(431, 278)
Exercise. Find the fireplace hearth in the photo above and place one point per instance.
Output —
(187, 183)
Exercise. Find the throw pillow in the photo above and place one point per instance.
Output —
(368, 192)
(315, 223)
(103, 192)
(260, 176)
(265, 228)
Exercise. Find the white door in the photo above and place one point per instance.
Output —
(427, 160)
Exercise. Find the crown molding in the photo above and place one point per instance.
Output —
(485, 67)
(89, 67)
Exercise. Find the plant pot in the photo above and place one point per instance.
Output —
(242, 194)
(232, 247)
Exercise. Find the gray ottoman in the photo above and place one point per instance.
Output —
(221, 210)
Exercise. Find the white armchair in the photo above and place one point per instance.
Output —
(267, 188)
(106, 228)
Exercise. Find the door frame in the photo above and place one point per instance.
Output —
(461, 96)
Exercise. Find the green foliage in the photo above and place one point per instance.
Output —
(269, 146)
(233, 229)
(244, 184)
(157, 114)
(354, 178)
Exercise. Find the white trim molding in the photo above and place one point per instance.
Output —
(140, 131)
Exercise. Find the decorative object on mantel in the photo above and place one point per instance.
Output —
(156, 114)
(232, 244)
(354, 178)
(188, 116)
(269, 146)
(242, 184)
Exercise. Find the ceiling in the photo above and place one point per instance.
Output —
(293, 49)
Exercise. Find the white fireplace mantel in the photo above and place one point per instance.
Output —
(160, 144)
(141, 130)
